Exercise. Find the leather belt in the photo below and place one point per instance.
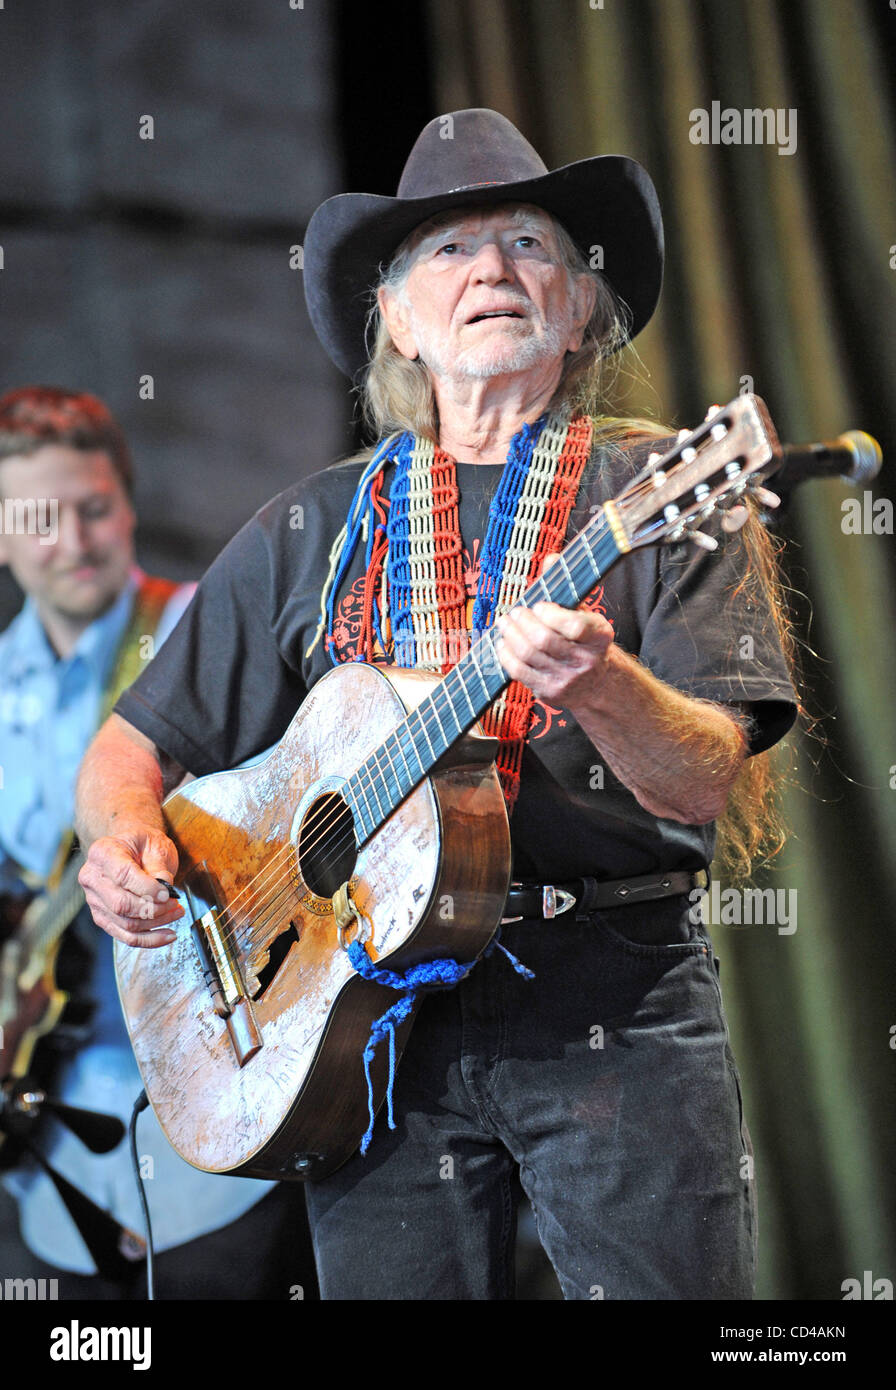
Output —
(549, 900)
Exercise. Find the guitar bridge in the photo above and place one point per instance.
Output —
(223, 977)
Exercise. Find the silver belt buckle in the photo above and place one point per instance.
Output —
(555, 901)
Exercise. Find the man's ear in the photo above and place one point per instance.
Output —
(397, 319)
(584, 298)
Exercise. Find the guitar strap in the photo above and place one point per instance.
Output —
(151, 600)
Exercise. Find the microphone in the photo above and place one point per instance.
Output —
(855, 456)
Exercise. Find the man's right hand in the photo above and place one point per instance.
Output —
(119, 878)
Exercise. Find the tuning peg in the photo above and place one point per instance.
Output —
(683, 434)
(713, 410)
(735, 518)
(702, 539)
(764, 497)
(659, 476)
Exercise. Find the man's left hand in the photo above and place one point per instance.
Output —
(561, 654)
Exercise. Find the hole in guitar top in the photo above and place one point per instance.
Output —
(326, 845)
(276, 956)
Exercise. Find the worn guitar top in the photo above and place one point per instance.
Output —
(231, 676)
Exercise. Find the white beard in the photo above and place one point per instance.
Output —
(492, 358)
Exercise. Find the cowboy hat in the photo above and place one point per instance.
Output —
(475, 158)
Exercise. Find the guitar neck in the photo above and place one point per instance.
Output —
(51, 915)
(412, 750)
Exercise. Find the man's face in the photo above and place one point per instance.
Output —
(83, 571)
(488, 295)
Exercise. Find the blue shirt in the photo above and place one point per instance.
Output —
(49, 711)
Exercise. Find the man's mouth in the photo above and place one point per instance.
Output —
(87, 570)
(495, 314)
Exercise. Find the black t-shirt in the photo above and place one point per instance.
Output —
(234, 671)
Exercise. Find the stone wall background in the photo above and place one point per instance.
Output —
(126, 257)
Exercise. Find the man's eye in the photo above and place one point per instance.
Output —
(528, 240)
(95, 511)
(449, 247)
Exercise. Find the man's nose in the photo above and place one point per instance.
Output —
(491, 265)
(72, 536)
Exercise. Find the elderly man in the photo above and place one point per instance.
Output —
(604, 1085)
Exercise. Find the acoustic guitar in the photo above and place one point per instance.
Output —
(379, 817)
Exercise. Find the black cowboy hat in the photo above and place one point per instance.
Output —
(465, 159)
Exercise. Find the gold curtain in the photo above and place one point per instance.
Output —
(781, 272)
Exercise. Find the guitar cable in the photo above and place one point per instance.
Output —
(141, 1103)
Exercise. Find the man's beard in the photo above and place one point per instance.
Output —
(482, 361)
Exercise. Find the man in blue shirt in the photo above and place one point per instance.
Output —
(66, 533)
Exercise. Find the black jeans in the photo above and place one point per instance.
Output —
(607, 1082)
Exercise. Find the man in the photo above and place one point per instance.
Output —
(90, 622)
(605, 1084)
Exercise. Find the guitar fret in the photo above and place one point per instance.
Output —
(360, 784)
(474, 658)
(563, 564)
(382, 774)
(384, 805)
(460, 675)
(396, 781)
(585, 540)
(437, 719)
(416, 715)
(442, 693)
(373, 786)
(407, 770)
(411, 775)
(355, 808)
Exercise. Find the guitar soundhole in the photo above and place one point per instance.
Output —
(326, 846)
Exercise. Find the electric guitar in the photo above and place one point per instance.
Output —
(378, 817)
(31, 1002)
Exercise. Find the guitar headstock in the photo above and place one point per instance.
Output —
(710, 469)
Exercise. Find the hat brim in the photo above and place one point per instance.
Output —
(608, 201)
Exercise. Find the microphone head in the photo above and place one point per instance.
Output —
(867, 454)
